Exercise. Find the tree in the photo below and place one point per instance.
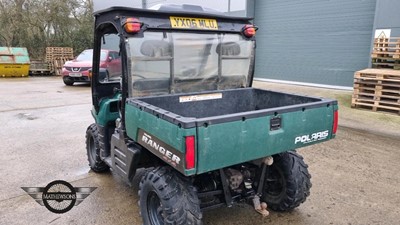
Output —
(37, 24)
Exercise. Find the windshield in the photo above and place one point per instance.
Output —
(165, 62)
(87, 55)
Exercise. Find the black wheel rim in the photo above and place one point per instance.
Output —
(154, 209)
(275, 185)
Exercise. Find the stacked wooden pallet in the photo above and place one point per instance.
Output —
(377, 90)
(386, 53)
(57, 56)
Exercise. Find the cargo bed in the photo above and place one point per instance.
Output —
(232, 126)
(224, 106)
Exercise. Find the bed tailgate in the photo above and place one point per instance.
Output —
(224, 144)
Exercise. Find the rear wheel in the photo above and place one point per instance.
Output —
(93, 149)
(287, 182)
(166, 198)
(104, 76)
(68, 81)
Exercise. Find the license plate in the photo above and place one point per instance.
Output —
(193, 23)
(75, 74)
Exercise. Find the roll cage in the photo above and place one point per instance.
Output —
(113, 20)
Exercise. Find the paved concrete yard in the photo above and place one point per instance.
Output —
(42, 128)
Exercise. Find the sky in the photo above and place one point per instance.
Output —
(220, 5)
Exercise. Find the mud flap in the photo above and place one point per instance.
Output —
(124, 157)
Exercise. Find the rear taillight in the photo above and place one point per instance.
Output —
(249, 30)
(190, 152)
(335, 121)
(132, 25)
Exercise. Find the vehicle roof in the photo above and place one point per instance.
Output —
(118, 9)
(184, 7)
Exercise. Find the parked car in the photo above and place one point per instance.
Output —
(77, 70)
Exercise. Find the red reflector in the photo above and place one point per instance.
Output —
(190, 152)
(335, 121)
(132, 25)
(249, 30)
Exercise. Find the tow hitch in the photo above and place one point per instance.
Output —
(260, 207)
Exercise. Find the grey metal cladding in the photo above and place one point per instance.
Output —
(312, 41)
(388, 16)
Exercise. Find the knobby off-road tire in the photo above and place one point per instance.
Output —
(287, 183)
(167, 198)
(93, 150)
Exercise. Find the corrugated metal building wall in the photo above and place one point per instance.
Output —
(313, 41)
(388, 16)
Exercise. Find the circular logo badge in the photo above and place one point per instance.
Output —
(59, 196)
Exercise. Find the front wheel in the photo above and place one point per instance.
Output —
(93, 149)
(287, 182)
(68, 81)
(166, 198)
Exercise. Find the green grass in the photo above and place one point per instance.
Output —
(344, 100)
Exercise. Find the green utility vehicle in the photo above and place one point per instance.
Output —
(184, 109)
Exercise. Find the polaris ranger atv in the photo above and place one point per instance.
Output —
(184, 107)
